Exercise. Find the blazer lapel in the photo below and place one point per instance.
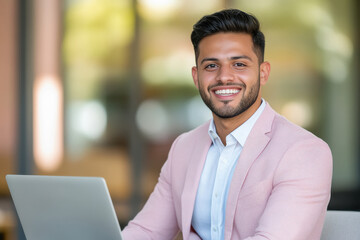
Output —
(194, 170)
(255, 144)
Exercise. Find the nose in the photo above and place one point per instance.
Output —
(225, 74)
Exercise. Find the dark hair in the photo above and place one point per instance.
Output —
(229, 20)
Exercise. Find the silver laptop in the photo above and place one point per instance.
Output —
(59, 208)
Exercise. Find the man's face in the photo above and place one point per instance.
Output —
(228, 74)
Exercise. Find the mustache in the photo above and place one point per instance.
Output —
(227, 85)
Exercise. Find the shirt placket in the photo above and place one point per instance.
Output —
(218, 197)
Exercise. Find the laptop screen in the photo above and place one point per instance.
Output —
(58, 208)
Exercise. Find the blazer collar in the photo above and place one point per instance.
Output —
(201, 147)
(254, 145)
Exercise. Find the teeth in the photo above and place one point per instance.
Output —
(226, 92)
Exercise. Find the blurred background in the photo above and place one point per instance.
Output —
(103, 87)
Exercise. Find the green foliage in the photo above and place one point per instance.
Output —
(97, 31)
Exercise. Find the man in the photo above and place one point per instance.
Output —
(248, 173)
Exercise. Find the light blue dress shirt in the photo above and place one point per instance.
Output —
(209, 211)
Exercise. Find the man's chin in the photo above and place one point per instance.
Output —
(229, 113)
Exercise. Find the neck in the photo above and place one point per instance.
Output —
(224, 126)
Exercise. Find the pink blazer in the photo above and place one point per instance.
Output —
(280, 188)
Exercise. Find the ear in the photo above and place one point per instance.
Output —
(194, 72)
(264, 72)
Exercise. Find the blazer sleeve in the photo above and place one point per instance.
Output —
(297, 205)
(157, 219)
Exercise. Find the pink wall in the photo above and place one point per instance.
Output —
(8, 76)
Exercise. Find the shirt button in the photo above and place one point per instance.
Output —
(216, 195)
(214, 229)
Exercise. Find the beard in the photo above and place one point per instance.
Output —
(228, 111)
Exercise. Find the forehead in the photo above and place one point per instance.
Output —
(226, 45)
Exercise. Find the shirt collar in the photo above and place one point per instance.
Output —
(242, 132)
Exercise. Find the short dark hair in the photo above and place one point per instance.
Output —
(229, 20)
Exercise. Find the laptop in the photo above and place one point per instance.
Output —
(59, 208)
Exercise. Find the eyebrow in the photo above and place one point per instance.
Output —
(231, 58)
(209, 60)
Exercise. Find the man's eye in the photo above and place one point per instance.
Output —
(210, 66)
(239, 65)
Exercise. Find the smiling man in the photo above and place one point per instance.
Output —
(248, 173)
(228, 76)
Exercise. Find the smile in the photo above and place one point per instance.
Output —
(226, 92)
